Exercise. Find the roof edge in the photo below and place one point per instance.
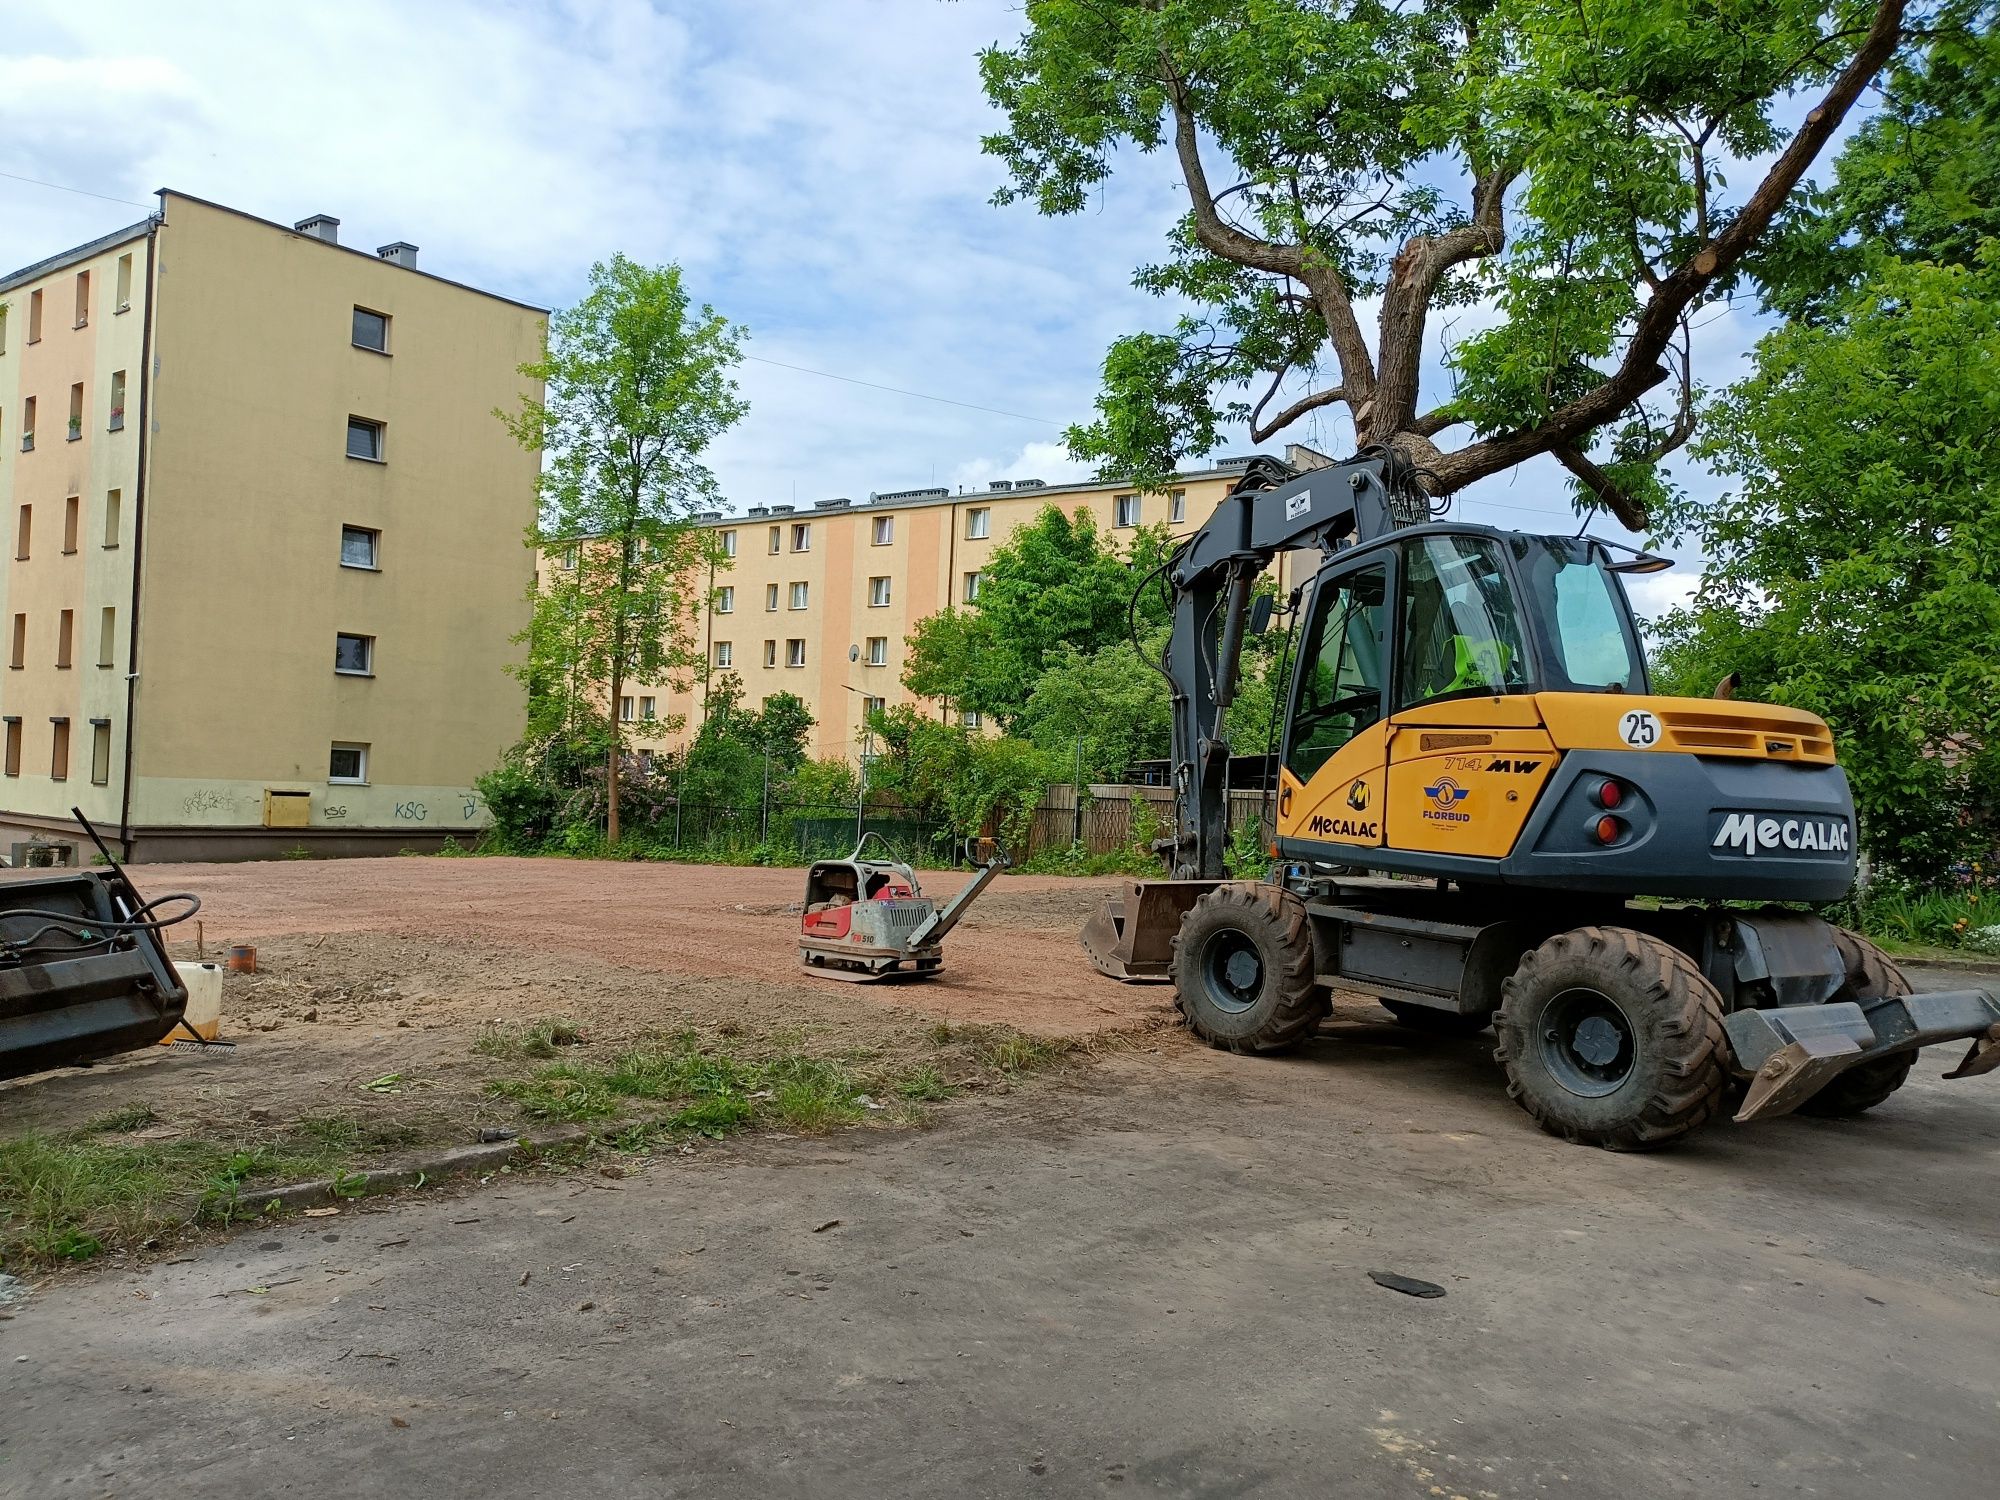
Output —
(70, 257)
(478, 291)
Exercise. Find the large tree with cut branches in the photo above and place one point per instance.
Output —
(1556, 165)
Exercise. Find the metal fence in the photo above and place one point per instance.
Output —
(797, 832)
(801, 832)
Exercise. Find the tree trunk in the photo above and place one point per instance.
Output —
(611, 766)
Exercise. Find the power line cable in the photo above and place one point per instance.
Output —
(900, 391)
(80, 192)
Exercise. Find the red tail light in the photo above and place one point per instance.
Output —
(1609, 794)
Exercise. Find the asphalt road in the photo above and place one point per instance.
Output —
(1149, 1277)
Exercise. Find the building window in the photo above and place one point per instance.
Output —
(725, 653)
(114, 503)
(885, 530)
(124, 301)
(799, 592)
(802, 536)
(770, 653)
(364, 439)
(20, 656)
(777, 540)
(972, 582)
(24, 527)
(354, 655)
(873, 706)
(13, 747)
(728, 544)
(625, 709)
(795, 653)
(117, 422)
(1125, 511)
(72, 511)
(348, 763)
(970, 718)
(107, 636)
(34, 317)
(83, 299)
(100, 752)
(28, 420)
(59, 750)
(878, 592)
(1177, 507)
(3, 330)
(878, 651)
(76, 412)
(649, 708)
(360, 546)
(371, 330)
(770, 596)
(725, 600)
(569, 559)
(978, 523)
(65, 638)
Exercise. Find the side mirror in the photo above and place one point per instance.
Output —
(1260, 614)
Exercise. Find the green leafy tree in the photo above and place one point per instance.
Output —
(1117, 707)
(1919, 180)
(1054, 582)
(1562, 163)
(1854, 569)
(637, 384)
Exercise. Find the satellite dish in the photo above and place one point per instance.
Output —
(854, 653)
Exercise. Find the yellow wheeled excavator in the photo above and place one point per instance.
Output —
(1485, 818)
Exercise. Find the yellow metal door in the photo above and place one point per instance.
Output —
(1464, 788)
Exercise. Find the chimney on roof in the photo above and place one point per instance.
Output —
(401, 253)
(320, 227)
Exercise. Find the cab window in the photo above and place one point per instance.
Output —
(1343, 668)
(1584, 619)
(1461, 631)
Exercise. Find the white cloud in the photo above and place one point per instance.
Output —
(814, 167)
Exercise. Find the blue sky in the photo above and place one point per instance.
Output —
(813, 165)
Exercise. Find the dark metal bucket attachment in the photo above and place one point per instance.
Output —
(1792, 1052)
(77, 982)
(1131, 936)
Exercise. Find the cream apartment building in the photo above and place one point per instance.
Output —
(820, 600)
(267, 560)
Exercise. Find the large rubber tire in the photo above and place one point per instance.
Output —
(1613, 1038)
(1243, 969)
(1870, 976)
(1435, 1022)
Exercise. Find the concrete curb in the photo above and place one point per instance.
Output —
(1948, 961)
(407, 1173)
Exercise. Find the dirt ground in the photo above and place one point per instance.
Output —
(396, 966)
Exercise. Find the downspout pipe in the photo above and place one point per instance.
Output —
(147, 374)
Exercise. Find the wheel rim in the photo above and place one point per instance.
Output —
(1587, 1043)
(1232, 971)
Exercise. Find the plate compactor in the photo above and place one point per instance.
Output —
(867, 919)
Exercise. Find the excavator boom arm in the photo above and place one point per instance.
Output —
(1270, 511)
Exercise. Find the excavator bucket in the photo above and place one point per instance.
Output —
(1131, 936)
(83, 973)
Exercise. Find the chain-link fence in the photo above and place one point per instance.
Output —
(1110, 820)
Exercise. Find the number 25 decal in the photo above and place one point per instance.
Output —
(1639, 729)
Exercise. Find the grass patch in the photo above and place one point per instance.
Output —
(122, 1121)
(69, 1197)
(924, 1084)
(543, 1038)
(1018, 1053)
(713, 1092)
